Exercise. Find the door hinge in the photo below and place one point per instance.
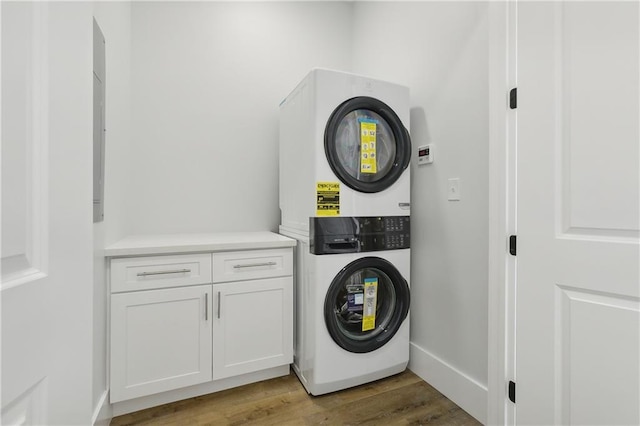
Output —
(512, 392)
(512, 245)
(513, 98)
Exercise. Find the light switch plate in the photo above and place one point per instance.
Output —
(453, 190)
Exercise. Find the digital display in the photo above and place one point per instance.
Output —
(423, 152)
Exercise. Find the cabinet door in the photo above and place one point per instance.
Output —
(160, 340)
(253, 327)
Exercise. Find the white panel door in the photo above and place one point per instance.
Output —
(26, 285)
(253, 327)
(578, 152)
(47, 252)
(160, 340)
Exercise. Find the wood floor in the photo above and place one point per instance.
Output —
(404, 399)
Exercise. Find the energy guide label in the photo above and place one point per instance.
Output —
(368, 142)
(370, 301)
(327, 198)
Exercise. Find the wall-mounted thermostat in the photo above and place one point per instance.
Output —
(425, 154)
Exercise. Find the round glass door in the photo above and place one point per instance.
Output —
(366, 144)
(366, 304)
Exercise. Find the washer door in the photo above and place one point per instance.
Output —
(366, 304)
(366, 144)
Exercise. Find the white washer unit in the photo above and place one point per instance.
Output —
(350, 132)
(352, 301)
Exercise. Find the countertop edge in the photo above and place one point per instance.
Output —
(196, 247)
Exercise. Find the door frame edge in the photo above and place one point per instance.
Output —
(501, 268)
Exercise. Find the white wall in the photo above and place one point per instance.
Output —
(69, 204)
(114, 19)
(440, 50)
(207, 79)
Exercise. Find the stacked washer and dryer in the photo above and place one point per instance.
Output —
(345, 196)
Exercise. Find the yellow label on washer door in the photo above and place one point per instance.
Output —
(368, 144)
(327, 198)
(370, 300)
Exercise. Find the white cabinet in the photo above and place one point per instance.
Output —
(252, 327)
(160, 340)
(189, 317)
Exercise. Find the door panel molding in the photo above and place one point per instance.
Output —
(589, 81)
(586, 320)
(28, 261)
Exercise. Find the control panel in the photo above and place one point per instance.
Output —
(330, 235)
(425, 154)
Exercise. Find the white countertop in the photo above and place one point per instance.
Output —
(140, 245)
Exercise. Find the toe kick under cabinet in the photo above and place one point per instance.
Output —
(187, 318)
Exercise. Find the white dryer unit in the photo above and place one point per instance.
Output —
(352, 302)
(344, 149)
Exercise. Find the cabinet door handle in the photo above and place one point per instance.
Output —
(253, 265)
(206, 306)
(175, 271)
(218, 305)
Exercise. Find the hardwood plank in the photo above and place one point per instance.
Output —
(392, 406)
(369, 389)
(401, 399)
(274, 410)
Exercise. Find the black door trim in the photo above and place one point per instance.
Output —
(379, 336)
(401, 134)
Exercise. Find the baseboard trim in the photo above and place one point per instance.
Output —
(467, 393)
(137, 404)
(102, 414)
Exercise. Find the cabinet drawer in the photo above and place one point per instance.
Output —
(143, 273)
(252, 264)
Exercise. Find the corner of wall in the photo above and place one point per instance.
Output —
(103, 411)
(114, 19)
(468, 394)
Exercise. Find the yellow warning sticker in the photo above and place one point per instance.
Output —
(370, 300)
(327, 198)
(368, 146)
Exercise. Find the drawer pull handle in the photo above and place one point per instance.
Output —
(253, 265)
(176, 271)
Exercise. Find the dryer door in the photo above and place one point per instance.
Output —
(366, 304)
(366, 144)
